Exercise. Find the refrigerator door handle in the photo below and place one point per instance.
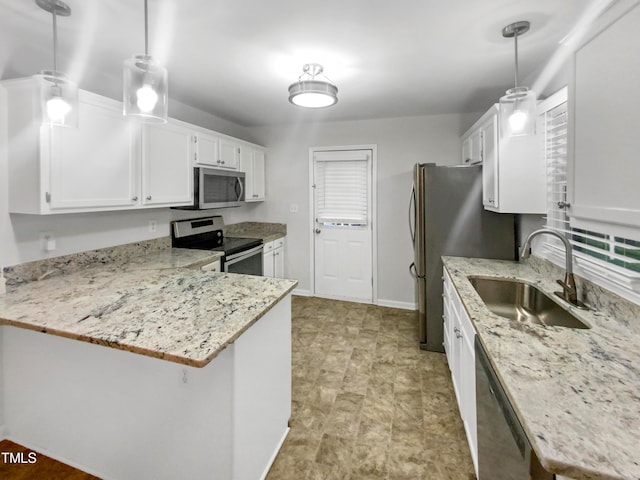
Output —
(412, 218)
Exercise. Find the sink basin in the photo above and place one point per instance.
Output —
(523, 302)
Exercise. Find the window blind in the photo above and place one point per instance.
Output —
(342, 189)
(603, 248)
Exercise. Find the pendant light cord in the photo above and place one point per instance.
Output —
(55, 43)
(146, 31)
(515, 38)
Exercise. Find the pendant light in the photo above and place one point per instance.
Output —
(310, 92)
(58, 94)
(145, 86)
(518, 106)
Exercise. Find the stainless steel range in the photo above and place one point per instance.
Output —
(241, 255)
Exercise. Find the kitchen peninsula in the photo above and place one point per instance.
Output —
(149, 367)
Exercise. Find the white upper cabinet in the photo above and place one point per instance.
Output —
(85, 171)
(471, 147)
(167, 175)
(604, 167)
(109, 162)
(54, 169)
(252, 164)
(513, 169)
(206, 149)
(215, 150)
(229, 154)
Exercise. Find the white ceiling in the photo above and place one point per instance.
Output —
(236, 58)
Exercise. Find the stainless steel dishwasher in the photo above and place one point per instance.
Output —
(504, 452)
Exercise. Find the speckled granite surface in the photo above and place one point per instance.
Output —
(576, 392)
(143, 303)
(266, 231)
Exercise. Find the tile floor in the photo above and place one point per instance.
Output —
(367, 402)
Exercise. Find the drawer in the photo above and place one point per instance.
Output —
(268, 247)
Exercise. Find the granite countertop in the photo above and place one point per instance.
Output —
(576, 392)
(148, 304)
(267, 232)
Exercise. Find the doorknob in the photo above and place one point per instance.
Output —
(318, 230)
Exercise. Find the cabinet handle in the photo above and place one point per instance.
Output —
(222, 162)
(135, 198)
(148, 197)
(563, 205)
(254, 195)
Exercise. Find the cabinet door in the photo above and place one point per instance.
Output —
(466, 150)
(206, 149)
(93, 166)
(603, 180)
(278, 262)
(468, 385)
(229, 154)
(489, 155)
(268, 266)
(167, 174)
(258, 179)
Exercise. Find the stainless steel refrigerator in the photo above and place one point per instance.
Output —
(446, 217)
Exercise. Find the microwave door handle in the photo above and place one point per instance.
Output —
(241, 188)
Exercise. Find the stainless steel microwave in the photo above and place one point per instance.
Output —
(214, 188)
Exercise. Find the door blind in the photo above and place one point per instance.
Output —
(342, 190)
(602, 247)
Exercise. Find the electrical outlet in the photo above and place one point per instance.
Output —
(293, 208)
(47, 241)
(153, 226)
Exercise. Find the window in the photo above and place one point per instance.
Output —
(605, 255)
(341, 184)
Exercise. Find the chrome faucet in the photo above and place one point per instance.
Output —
(569, 291)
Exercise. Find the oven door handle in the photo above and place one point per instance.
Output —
(245, 253)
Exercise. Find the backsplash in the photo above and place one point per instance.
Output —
(41, 269)
(596, 297)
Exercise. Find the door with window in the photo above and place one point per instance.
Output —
(342, 212)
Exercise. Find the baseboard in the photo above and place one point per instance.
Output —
(395, 304)
(379, 302)
(275, 454)
(301, 292)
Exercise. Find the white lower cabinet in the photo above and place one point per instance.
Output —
(459, 337)
(273, 258)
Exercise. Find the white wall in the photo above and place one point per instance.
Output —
(401, 143)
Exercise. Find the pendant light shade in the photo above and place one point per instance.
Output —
(58, 94)
(518, 105)
(145, 85)
(310, 92)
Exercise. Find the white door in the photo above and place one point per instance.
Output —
(343, 249)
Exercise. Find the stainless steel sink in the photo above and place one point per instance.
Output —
(523, 302)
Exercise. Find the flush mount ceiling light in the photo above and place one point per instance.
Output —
(145, 88)
(518, 106)
(58, 94)
(310, 92)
